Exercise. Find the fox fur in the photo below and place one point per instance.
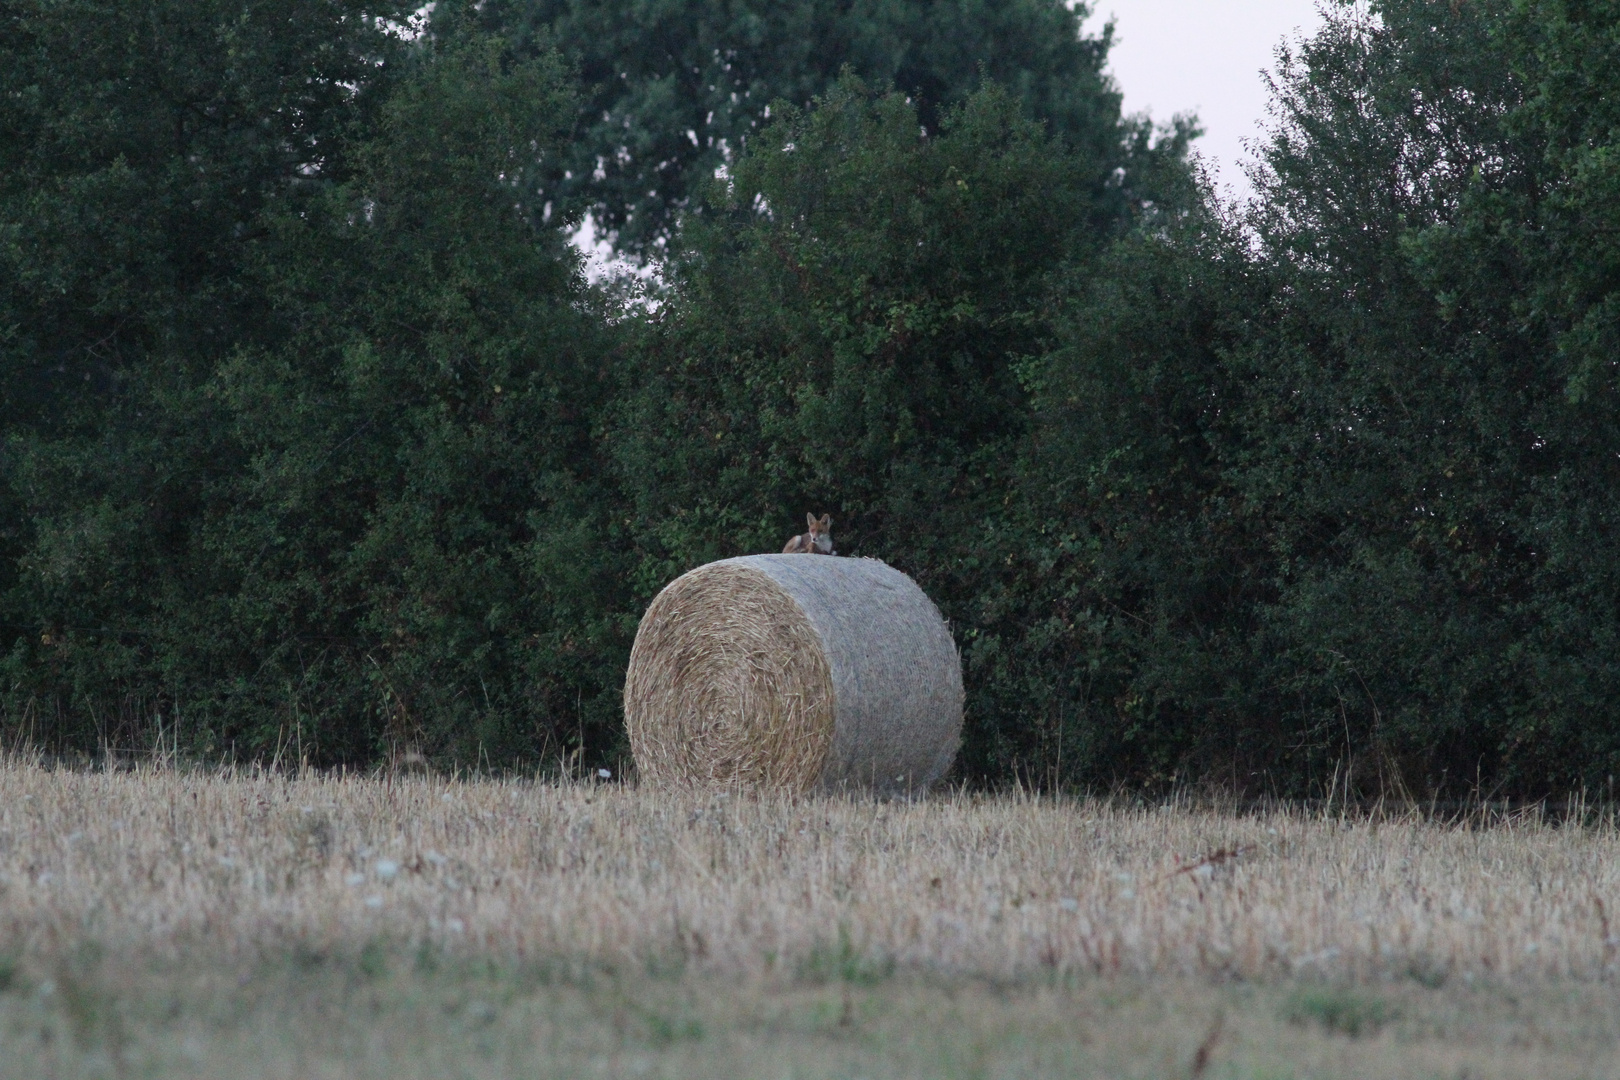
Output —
(818, 541)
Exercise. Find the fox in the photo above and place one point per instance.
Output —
(818, 541)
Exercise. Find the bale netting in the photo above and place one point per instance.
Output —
(795, 672)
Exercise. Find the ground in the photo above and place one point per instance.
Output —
(173, 923)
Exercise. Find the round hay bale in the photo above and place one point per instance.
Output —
(797, 672)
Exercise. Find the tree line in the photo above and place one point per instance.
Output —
(318, 445)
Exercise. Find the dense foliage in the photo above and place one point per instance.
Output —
(315, 441)
(298, 386)
(675, 89)
(1337, 484)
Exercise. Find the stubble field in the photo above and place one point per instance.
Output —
(173, 923)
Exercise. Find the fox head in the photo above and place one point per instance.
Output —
(820, 531)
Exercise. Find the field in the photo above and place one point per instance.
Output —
(172, 923)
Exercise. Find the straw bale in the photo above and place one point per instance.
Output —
(794, 672)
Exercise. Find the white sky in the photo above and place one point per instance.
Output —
(1204, 57)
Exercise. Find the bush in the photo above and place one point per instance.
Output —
(315, 440)
(328, 487)
(1329, 486)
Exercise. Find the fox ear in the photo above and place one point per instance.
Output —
(826, 522)
(810, 520)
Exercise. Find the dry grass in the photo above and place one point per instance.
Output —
(888, 903)
(1001, 888)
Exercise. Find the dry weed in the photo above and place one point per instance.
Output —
(1004, 888)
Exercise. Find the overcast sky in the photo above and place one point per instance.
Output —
(1205, 57)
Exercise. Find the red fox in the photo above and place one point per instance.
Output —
(818, 541)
